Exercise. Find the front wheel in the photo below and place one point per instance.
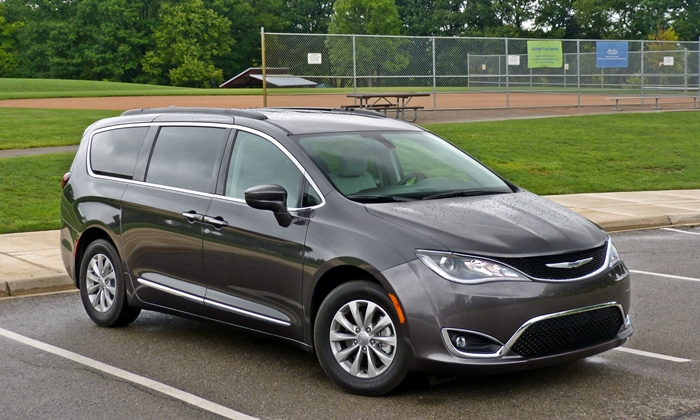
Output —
(102, 287)
(357, 339)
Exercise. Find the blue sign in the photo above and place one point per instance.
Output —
(611, 54)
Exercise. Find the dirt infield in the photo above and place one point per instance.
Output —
(451, 106)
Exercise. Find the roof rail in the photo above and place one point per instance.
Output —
(357, 111)
(229, 112)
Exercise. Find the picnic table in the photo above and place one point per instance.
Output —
(391, 101)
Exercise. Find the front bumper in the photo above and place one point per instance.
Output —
(501, 312)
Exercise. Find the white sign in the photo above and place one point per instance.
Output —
(566, 66)
(668, 61)
(513, 60)
(483, 67)
(314, 58)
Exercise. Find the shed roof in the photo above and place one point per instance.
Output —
(276, 76)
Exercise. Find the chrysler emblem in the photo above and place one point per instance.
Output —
(571, 264)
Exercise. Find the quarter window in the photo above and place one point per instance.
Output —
(256, 161)
(115, 152)
(186, 157)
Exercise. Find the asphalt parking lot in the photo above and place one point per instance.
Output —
(166, 367)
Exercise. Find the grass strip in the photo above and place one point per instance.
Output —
(597, 153)
(30, 188)
(28, 128)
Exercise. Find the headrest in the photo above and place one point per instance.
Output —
(352, 165)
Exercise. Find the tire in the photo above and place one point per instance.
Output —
(354, 353)
(102, 287)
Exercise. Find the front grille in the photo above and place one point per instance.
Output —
(569, 332)
(536, 267)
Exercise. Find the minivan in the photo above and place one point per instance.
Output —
(372, 242)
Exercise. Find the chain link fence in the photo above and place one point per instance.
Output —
(472, 73)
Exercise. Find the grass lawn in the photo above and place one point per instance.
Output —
(30, 188)
(629, 152)
(26, 128)
(56, 88)
(598, 153)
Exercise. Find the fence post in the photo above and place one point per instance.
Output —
(642, 70)
(469, 71)
(685, 72)
(354, 68)
(507, 84)
(434, 80)
(578, 70)
(264, 68)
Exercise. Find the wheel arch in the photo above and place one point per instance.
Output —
(89, 236)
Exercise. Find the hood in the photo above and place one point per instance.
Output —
(519, 224)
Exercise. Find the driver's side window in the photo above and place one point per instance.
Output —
(256, 161)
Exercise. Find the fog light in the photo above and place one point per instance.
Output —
(460, 342)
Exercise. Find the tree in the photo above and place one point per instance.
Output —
(432, 17)
(8, 57)
(374, 56)
(187, 39)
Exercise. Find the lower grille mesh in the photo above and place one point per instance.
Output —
(569, 332)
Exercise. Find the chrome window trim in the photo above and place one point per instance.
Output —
(505, 348)
(210, 302)
(605, 266)
(267, 137)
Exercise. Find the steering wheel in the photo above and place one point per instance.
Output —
(419, 176)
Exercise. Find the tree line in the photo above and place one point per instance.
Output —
(199, 43)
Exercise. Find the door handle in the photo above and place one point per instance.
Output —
(192, 216)
(218, 222)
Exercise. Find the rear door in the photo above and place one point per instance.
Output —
(163, 215)
(254, 265)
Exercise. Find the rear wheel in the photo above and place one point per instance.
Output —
(357, 340)
(102, 287)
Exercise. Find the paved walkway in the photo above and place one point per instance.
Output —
(30, 263)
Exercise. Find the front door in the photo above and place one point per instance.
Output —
(254, 265)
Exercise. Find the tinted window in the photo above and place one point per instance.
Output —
(185, 157)
(256, 161)
(115, 152)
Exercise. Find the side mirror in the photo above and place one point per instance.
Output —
(270, 197)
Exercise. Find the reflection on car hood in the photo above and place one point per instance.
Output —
(519, 224)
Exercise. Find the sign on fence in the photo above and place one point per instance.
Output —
(611, 54)
(544, 54)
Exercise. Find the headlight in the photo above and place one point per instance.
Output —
(614, 256)
(468, 270)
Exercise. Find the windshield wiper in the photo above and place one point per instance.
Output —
(379, 198)
(462, 193)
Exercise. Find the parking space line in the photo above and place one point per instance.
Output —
(131, 377)
(654, 355)
(681, 231)
(648, 273)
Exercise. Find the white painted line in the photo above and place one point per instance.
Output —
(681, 231)
(654, 355)
(131, 377)
(664, 275)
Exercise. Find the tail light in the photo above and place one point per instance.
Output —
(65, 179)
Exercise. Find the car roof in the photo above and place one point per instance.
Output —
(294, 121)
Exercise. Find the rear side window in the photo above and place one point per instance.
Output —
(115, 152)
(186, 157)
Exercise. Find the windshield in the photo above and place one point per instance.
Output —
(398, 166)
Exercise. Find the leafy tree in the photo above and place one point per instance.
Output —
(187, 39)
(8, 56)
(432, 17)
(375, 56)
(309, 16)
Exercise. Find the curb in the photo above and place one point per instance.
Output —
(35, 285)
(651, 222)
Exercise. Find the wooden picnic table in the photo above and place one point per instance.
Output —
(389, 101)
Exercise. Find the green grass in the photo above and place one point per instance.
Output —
(629, 152)
(27, 128)
(56, 88)
(600, 153)
(30, 188)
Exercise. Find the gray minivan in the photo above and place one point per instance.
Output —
(369, 241)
